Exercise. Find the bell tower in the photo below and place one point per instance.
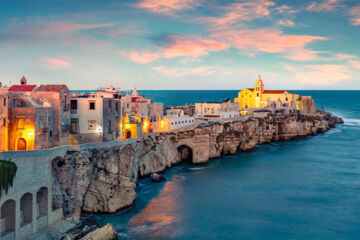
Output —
(259, 89)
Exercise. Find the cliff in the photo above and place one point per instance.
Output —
(104, 180)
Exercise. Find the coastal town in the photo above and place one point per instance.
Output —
(64, 152)
(36, 117)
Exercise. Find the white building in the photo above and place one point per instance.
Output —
(174, 119)
(217, 110)
(95, 117)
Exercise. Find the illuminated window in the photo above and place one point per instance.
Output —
(20, 123)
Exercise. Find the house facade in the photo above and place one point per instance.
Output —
(217, 110)
(4, 117)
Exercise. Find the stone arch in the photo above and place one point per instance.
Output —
(42, 202)
(127, 133)
(186, 153)
(26, 208)
(21, 144)
(8, 217)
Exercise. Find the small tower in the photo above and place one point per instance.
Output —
(23, 80)
(135, 93)
(259, 90)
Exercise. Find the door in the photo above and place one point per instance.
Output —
(21, 144)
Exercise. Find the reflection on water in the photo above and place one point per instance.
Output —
(161, 217)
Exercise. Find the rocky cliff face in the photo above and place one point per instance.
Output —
(104, 180)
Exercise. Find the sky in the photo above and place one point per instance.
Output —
(181, 44)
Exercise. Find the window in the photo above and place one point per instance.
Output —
(91, 105)
(127, 105)
(286, 98)
(110, 106)
(50, 133)
(117, 107)
(73, 104)
(4, 123)
(257, 94)
(4, 101)
(91, 124)
(20, 123)
(110, 126)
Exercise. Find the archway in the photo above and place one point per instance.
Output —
(127, 134)
(20, 144)
(26, 208)
(42, 201)
(8, 217)
(186, 153)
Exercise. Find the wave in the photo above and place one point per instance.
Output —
(351, 121)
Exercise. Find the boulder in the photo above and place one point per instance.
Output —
(106, 232)
(155, 177)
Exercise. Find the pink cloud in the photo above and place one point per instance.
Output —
(285, 9)
(68, 27)
(184, 46)
(181, 71)
(166, 6)
(266, 40)
(239, 12)
(58, 63)
(178, 46)
(287, 23)
(355, 13)
(323, 75)
(326, 5)
(143, 56)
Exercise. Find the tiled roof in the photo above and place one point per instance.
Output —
(274, 91)
(22, 88)
(270, 91)
(51, 87)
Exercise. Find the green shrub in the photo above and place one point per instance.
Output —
(7, 174)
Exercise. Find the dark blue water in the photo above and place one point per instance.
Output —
(302, 189)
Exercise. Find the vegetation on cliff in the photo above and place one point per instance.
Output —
(7, 174)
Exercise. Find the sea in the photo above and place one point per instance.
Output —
(302, 189)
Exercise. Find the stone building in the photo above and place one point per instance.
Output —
(31, 124)
(217, 110)
(4, 116)
(95, 117)
(59, 97)
(259, 98)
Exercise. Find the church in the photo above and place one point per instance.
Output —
(259, 98)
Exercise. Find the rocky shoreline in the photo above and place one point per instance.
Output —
(104, 180)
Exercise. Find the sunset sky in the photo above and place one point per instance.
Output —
(182, 44)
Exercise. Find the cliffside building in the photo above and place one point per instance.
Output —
(217, 110)
(258, 97)
(174, 119)
(95, 117)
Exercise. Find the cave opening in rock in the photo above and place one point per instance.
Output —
(186, 154)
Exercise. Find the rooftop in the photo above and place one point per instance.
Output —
(22, 88)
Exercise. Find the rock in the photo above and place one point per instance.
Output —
(104, 179)
(155, 177)
(106, 232)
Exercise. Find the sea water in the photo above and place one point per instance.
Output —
(302, 189)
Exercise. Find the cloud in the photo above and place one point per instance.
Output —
(178, 46)
(239, 12)
(269, 41)
(323, 75)
(166, 6)
(57, 63)
(285, 9)
(327, 6)
(144, 56)
(355, 13)
(191, 47)
(287, 23)
(182, 71)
